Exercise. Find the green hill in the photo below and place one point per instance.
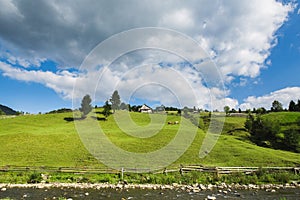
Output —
(7, 110)
(52, 140)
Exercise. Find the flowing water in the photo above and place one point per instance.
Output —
(72, 193)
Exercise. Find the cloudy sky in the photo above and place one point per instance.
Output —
(53, 52)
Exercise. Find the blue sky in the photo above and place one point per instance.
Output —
(256, 49)
(285, 58)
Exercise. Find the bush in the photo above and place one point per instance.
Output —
(34, 178)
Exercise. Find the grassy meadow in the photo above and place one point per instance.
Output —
(52, 140)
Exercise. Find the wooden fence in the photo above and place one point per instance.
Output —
(182, 169)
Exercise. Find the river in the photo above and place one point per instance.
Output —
(73, 193)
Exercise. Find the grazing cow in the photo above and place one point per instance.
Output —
(176, 122)
(169, 122)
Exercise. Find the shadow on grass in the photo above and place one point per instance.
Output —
(71, 119)
(99, 118)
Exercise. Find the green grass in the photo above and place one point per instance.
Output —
(49, 140)
(285, 118)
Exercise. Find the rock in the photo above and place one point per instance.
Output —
(273, 190)
(195, 190)
(175, 184)
(225, 192)
(211, 197)
(209, 186)
(237, 194)
(3, 189)
(202, 187)
(44, 176)
(294, 183)
(86, 194)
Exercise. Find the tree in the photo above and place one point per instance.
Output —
(292, 139)
(1, 112)
(106, 109)
(298, 106)
(249, 122)
(124, 106)
(261, 110)
(276, 106)
(115, 101)
(185, 112)
(226, 109)
(292, 106)
(86, 106)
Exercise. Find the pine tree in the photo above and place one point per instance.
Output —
(115, 101)
(292, 106)
(106, 109)
(86, 106)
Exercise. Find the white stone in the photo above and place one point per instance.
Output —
(211, 197)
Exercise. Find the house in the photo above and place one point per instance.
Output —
(145, 109)
(160, 109)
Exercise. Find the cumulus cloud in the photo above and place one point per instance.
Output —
(237, 35)
(61, 82)
(284, 96)
(240, 34)
(178, 85)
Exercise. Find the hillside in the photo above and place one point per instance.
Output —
(7, 110)
(52, 140)
(276, 130)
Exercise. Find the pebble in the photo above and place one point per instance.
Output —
(174, 186)
(211, 197)
(86, 194)
(195, 190)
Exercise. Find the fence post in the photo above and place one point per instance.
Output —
(180, 170)
(122, 173)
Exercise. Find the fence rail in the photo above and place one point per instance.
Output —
(182, 169)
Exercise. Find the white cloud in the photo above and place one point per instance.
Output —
(242, 35)
(179, 19)
(284, 96)
(237, 35)
(61, 82)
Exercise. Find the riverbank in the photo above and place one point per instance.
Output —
(151, 192)
(222, 187)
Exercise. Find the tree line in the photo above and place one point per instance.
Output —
(276, 107)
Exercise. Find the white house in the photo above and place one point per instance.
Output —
(145, 109)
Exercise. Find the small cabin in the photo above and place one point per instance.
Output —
(145, 109)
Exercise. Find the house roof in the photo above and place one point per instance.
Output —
(145, 107)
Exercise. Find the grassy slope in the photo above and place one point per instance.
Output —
(49, 140)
